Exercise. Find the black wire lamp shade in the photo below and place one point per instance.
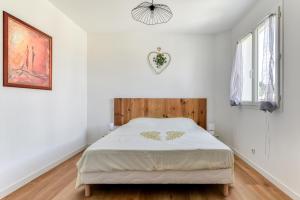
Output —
(151, 14)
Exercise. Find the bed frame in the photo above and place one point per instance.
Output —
(126, 109)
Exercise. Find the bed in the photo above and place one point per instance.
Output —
(159, 141)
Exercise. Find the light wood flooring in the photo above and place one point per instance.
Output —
(59, 184)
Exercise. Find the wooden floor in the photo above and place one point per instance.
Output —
(59, 184)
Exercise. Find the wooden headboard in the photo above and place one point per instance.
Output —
(126, 109)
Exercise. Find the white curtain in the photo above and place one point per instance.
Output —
(236, 83)
(269, 99)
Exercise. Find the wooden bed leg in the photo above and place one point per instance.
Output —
(87, 190)
(226, 190)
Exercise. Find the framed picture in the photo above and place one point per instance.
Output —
(27, 55)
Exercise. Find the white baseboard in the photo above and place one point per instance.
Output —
(268, 176)
(13, 187)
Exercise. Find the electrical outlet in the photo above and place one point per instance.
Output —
(253, 151)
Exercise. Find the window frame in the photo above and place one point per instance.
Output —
(278, 61)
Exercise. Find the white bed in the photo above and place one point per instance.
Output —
(131, 155)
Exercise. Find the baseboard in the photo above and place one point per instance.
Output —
(269, 177)
(20, 183)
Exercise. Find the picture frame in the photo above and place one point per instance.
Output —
(27, 55)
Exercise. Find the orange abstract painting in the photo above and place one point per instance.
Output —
(27, 55)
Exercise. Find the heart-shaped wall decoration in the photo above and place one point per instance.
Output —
(158, 60)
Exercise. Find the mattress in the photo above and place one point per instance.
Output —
(150, 145)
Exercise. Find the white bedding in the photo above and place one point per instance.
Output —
(125, 149)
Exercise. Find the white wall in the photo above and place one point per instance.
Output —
(248, 127)
(117, 67)
(37, 127)
(223, 63)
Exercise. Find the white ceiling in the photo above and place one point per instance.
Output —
(192, 16)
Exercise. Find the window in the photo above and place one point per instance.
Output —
(260, 63)
(246, 44)
(264, 56)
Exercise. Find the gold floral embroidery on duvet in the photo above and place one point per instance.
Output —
(153, 135)
(172, 135)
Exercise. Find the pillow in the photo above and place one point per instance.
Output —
(179, 123)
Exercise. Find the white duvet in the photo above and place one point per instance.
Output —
(126, 149)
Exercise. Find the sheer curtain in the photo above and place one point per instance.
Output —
(268, 99)
(236, 83)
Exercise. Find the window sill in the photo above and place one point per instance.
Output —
(254, 106)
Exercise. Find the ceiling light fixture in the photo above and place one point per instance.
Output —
(151, 14)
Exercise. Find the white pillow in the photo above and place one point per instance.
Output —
(179, 123)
